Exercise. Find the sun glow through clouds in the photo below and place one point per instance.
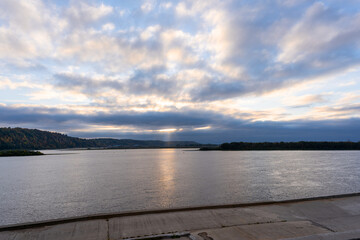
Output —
(169, 130)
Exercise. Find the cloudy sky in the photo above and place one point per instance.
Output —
(209, 71)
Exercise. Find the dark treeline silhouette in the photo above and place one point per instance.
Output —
(287, 146)
(22, 138)
(10, 153)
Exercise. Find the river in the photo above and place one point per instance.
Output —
(68, 183)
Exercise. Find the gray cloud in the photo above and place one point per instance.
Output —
(81, 14)
(224, 128)
(146, 82)
(54, 116)
(214, 90)
(323, 41)
(87, 85)
(142, 82)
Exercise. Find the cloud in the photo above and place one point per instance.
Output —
(320, 43)
(86, 85)
(307, 100)
(215, 90)
(18, 38)
(6, 83)
(321, 37)
(343, 111)
(108, 27)
(216, 128)
(155, 120)
(148, 6)
(244, 48)
(145, 82)
(81, 14)
(166, 5)
(291, 3)
(184, 57)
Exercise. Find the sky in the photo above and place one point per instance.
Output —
(209, 71)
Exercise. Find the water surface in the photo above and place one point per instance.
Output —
(83, 182)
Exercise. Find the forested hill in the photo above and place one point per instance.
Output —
(246, 146)
(22, 138)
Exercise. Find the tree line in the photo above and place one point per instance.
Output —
(302, 145)
(23, 138)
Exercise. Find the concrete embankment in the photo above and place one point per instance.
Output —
(333, 217)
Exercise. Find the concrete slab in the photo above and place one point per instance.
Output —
(153, 224)
(316, 210)
(280, 211)
(342, 223)
(261, 231)
(239, 216)
(89, 230)
(227, 233)
(145, 225)
(313, 210)
(330, 236)
(268, 221)
(282, 230)
(351, 205)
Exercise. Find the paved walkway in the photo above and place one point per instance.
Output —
(330, 218)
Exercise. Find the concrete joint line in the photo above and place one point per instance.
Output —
(160, 236)
(248, 224)
(108, 229)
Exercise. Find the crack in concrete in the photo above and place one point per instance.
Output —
(320, 225)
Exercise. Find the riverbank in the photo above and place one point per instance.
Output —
(320, 218)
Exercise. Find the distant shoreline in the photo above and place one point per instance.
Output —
(19, 153)
(285, 146)
(23, 138)
(264, 150)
